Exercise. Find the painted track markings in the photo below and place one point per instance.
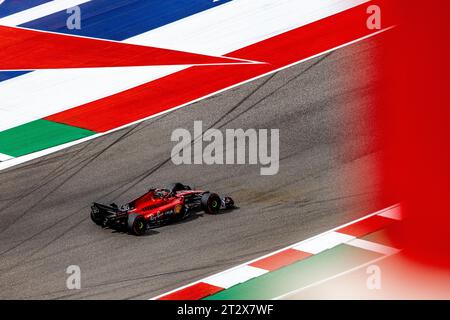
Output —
(234, 276)
(193, 292)
(267, 264)
(40, 11)
(285, 295)
(138, 97)
(280, 259)
(327, 241)
(4, 157)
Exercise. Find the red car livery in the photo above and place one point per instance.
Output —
(158, 206)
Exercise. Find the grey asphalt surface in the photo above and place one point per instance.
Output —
(328, 156)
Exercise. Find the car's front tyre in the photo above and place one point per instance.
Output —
(210, 203)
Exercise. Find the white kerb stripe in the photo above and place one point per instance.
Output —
(52, 91)
(234, 276)
(372, 246)
(40, 11)
(324, 242)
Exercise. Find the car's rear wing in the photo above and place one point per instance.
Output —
(107, 215)
(104, 209)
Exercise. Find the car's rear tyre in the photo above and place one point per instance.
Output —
(96, 218)
(174, 187)
(137, 224)
(210, 203)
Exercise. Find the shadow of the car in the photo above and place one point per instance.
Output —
(225, 211)
(150, 232)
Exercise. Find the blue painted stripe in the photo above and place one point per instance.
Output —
(5, 75)
(120, 19)
(12, 6)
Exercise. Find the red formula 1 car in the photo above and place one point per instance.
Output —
(157, 207)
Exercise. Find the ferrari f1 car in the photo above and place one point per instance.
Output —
(157, 207)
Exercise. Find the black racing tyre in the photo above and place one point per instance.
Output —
(174, 187)
(137, 224)
(210, 203)
(95, 216)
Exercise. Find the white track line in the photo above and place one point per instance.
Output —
(35, 155)
(234, 276)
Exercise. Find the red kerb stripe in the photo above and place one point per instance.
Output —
(194, 292)
(280, 259)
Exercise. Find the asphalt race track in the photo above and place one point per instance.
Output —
(320, 107)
